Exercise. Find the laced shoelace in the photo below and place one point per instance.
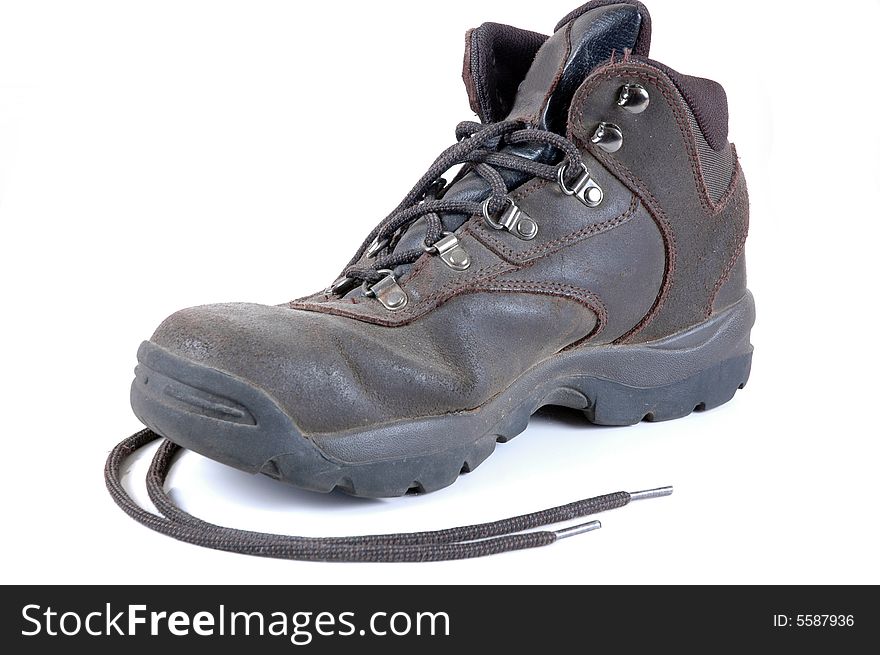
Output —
(479, 148)
(455, 543)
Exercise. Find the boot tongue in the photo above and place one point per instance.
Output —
(588, 37)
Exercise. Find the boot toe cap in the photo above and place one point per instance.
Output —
(300, 359)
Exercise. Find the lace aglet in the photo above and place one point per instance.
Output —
(650, 493)
(577, 529)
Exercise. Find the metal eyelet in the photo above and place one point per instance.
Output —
(387, 291)
(451, 252)
(512, 219)
(633, 98)
(608, 136)
(584, 188)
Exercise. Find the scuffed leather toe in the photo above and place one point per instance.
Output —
(332, 373)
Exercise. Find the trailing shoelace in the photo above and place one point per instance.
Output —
(455, 543)
(479, 148)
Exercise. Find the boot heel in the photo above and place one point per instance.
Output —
(694, 370)
(618, 404)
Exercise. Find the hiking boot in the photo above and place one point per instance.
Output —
(589, 254)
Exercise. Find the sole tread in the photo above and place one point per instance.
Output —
(442, 473)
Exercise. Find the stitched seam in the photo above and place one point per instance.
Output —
(483, 99)
(588, 299)
(498, 246)
(442, 293)
(481, 275)
(663, 225)
(687, 133)
(737, 253)
(612, 71)
(449, 289)
(425, 259)
(725, 198)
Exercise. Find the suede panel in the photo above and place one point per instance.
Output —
(733, 288)
(659, 162)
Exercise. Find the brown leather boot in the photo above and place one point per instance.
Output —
(589, 254)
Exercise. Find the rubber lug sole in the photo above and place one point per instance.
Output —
(226, 419)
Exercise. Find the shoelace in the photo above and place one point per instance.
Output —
(455, 543)
(478, 147)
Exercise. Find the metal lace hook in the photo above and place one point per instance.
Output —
(584, 188)
(512, 219)
(451, 252)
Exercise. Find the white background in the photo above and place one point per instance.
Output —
(157, 155)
